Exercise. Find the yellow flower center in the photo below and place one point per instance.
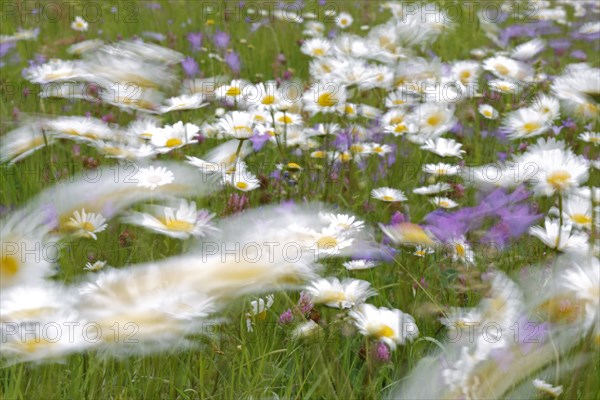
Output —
(241, 129)
(559, 179)
(396, 120)
(318, 52)
(88, 226)
(387, 198)
(178, 225)
(434, 120)
(530, 127)
(9, 265)
(268, 99)
(348, 109)
(384, 331)
(241, 185)
(318, 154)
(173, 142)
(444, 204)
(233, 91)
(581, 219)
(487, 113)
(346, 157)
(293, 165)
(502, 70)
(327, 100)
(464, 76)
(357, 148)
(460, 250)
(327, 242)
(285, 119)
(400, 128)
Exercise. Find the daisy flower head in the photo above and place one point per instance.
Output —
(432, 120)
(466, 72)
(345, 294)
(488, 111)
(546, 105)
(79, 24)
(96, 266)
(422, 251)
(547, 388)
(407, 233)
(590, 137)
(316, 47)
(390, 326)
(86, 225)
(56, 71)
(577, 211)
(356, 265)
(560, 237)
(232, 93)
(389, 195)
(528, 50)
(179, 221)
(328, 241)
(526, 123)
(441, 169)
(237, 124)
(504, 86)
(241, 178)
(444, 147)
(184, 102)
(557, 171)
(433, 189)
(443, 202)
(461, 250)
(344, 20)
(507, 68)
(342, 222)
(174, 136)
(151, 177)
(324, 97)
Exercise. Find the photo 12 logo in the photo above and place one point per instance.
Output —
(27, 12)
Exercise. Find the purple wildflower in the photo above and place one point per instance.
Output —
(286, 317)
(382, 352)
(221, 39)
(233, 61)
(195, 39)
(190, 67)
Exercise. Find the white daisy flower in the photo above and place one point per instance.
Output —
(345, 294)
(241, 178)
(577, 211)
(184, 102)
(504, 86)
(443, 202)
(80, 128)
(528, 50)
(344, 20)
(488, 111)
(86, 225)
(356, 265)
(546, 105)
(237, 124)
(174, 136)
(342, 222)
(96, 266)
(316, 47)
(79, 24)
(179, 222)
(461, 250)
(324, 97)
(557, 171)
(388, 194)
(590, 137)
(547, 388)
(444, 147)
(152, 178)
(560, 237)
(391, 327)
(441, 169)
(422, 251)
(57, 71)
(526, 123)
(433, 189)
(506, 68)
